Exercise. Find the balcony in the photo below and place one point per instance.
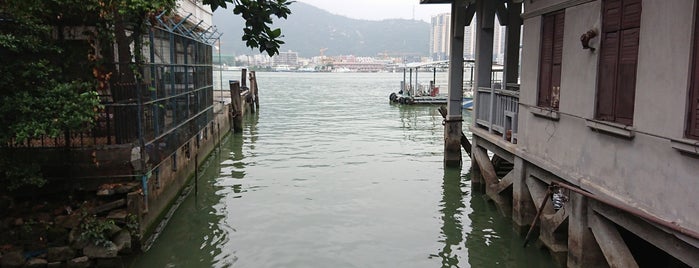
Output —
(496, 111)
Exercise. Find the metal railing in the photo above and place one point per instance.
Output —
(496, 110)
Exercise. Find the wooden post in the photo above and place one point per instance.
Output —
(252, 93)
(243, 78)
(236, 106)
(453, 124)
(253, 84)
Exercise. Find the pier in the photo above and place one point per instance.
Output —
(591, 164)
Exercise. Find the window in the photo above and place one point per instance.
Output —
(693, 107)
(616, 87)
(550, 60)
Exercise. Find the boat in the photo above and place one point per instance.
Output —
(417, 93)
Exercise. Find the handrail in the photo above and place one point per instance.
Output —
(636, 212)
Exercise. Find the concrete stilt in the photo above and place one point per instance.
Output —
(523, 209)
(453, 121)
(512, 33)
(583, 250)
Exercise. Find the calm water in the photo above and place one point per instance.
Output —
(328, 174)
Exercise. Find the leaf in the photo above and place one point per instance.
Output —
(276, 33)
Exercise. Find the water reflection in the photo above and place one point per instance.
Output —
(451, 208)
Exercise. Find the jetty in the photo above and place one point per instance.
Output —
(595, 143)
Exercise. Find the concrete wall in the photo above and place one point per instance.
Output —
(644, 171)
(166, 186)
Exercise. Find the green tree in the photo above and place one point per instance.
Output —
(258, 19)
(49, 83)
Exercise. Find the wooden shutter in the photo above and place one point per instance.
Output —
(551, 58)
(626, 77)
(607, 76)
(628, 59)
(616, 86)
(693, 105)
(557, 59)
(546, 61)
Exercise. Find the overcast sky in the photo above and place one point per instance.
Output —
(380, 9)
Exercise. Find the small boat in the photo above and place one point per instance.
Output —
(467, 103)
(417, 93)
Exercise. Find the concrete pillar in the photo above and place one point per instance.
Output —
(485, 13)
(512, 33)
(523, 209)
(582, 246)
(452, 127)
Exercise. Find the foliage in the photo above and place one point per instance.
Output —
(258, 18)
(132, 224)
(49, 82)
(96, 230)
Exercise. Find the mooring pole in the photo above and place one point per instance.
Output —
(236, 106)
(452, 123)
(196, 174)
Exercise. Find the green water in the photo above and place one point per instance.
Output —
(329, 174)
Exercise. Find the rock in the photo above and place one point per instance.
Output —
(43, 217)
(60, 254)
(12, 259)
(57, 264)
(79, 262)
(70, 222)
(117, 262)
(108, 206)
(119, 214)
(102, 251)
(36, 263)
(57, 235)
(113, 230)
(75, 241)
(123, 242)
(126, 188)
(105, 192)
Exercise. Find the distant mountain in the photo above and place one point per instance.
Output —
(308, 29)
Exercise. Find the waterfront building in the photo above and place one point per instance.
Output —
(156, 120)
(598, 146)
(439, 36)
(439, 39)
(289, 58)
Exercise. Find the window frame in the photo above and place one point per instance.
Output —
(616, 81)
(548, 96)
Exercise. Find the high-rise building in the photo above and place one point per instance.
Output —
(290, 58)
(439, 36)
(440, 41)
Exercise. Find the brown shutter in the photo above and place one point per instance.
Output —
(628, 58)
(693, 109)
(607, 76)
(611, 15)
(616, 86)
(626, 81)
(546, 61)
(557, 59)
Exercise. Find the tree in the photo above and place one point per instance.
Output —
(258, 18)
(49, 83)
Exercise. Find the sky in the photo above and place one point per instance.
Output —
(380, 9)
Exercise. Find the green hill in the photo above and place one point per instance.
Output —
(308, 29)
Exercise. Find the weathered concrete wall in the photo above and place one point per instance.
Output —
(645, 171)
(173, 175)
